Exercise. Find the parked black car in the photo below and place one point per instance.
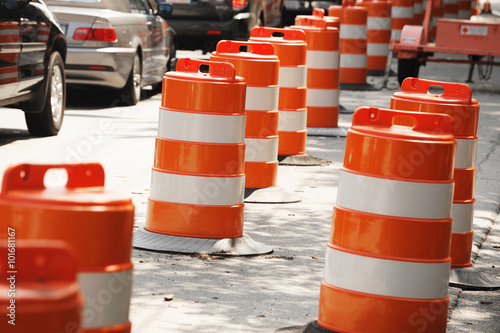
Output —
(200, 24)
(32, 56)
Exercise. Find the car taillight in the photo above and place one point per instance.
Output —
(95, 34)
(239, 4)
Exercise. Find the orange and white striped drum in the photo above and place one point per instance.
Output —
(318, 15)
(401, 15)
(378, 35)
(353, 42)
(464, 9)
(456, 101)
(418, 12)
(96, 223)
(322, 74)
(40, 276)
(198, 180)
(259, 66)
(388, 256)
(450, 8)
(291, 48)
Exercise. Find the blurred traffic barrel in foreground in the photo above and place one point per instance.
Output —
(96, 223)
(39, 291)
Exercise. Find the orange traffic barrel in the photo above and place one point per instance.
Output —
(418, 12)
(259, 66)
(378, 35)
(353, 43)
(455, 100)
(318, 15)
(401, 15)
(291, 48)
(390, 237)
(322, 75)
(39, 290)
(464, 9)
(96, 223)
(198, 181)
(450, 8)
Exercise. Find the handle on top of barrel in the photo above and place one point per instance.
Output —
(319, 23)
(31, 176)
(283, 33)
(450, 90)
(232, 46)
(348, 3)
(41, 260)
(418, 121)
(213, 68)
(319, 12)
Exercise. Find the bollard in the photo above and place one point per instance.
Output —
(259, 66)
(456, 101)
(198, 182)
(388, 256)
(95, 222)
(39, 291)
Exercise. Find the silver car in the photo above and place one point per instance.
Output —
(119, 44)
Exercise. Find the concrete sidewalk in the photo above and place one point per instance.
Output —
(200, 293)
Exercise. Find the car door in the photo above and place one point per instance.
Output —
(10, 50)
(154, 43)
(34, 38)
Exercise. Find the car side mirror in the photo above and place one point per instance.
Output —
(14, 4)
(164, 9)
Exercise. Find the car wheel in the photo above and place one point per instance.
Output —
(407, 68)
(49, 121)
(131, 93)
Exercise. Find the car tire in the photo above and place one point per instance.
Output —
(407, 68)
(49, 121)
(131, 93)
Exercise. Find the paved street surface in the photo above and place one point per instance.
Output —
(211, 294)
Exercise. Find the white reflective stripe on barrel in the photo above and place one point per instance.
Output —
(261, 150)
(9, 75)
(378, 23)
(107, 298)
(453, 2)
(386, 277)
(353, 60)
(465, 156)
(197, 127)
(9, 32)
(292, 77)
(396, 34)
(352, 31)
(463, 216)
(322, 97)
(292, 121)
(323, 59)
(395, 198)
(262, 98)
(417, 8)
(402, 12)
(454, 15)
(375, 49)
(197, 190)
(464, 14)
